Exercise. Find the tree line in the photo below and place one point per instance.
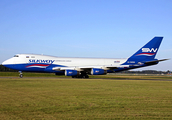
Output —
(5, 69)
(148, 72)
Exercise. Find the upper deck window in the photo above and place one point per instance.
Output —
(16, 55)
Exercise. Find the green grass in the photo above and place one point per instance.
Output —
(110, 76)
(30, 74)
(40, 98)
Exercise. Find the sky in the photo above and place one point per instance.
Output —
(85, 28)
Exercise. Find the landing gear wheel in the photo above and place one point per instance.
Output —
(21, 75)
(82, 75)
(86, 76)
(75, 76)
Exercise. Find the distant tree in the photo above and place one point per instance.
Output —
(146, 72)
(5, 69)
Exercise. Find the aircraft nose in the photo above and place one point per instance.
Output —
(9, 61)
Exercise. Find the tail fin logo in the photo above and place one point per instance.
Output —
(149, 50)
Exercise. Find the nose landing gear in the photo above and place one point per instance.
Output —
(20, 74)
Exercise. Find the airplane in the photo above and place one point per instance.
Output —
(82, 67)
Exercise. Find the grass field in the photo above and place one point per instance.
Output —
(110, 76)
(64, 98)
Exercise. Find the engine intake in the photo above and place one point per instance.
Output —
(96, 71)
(71, 72)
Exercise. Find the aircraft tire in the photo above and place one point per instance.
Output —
(81, 76)
(74, 76)
(85, 76)
(21, 75)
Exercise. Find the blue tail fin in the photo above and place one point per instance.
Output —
(148, 51)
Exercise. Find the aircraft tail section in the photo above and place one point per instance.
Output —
(148, 51)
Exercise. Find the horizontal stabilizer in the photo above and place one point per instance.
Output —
(154, 61)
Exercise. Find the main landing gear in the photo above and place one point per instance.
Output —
(20, 74)
(82, 75)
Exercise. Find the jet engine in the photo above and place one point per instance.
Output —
(71, 72)
(96, 71)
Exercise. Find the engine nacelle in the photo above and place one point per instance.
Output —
(96, 71)
(71, 72)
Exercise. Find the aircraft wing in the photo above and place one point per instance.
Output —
(83, 68)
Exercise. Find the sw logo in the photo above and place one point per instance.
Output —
(149, 50)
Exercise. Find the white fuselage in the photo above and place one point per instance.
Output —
(64, 61)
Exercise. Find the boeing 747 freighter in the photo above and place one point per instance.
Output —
(82, 67)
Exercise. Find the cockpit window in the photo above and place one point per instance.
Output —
(16, 56)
